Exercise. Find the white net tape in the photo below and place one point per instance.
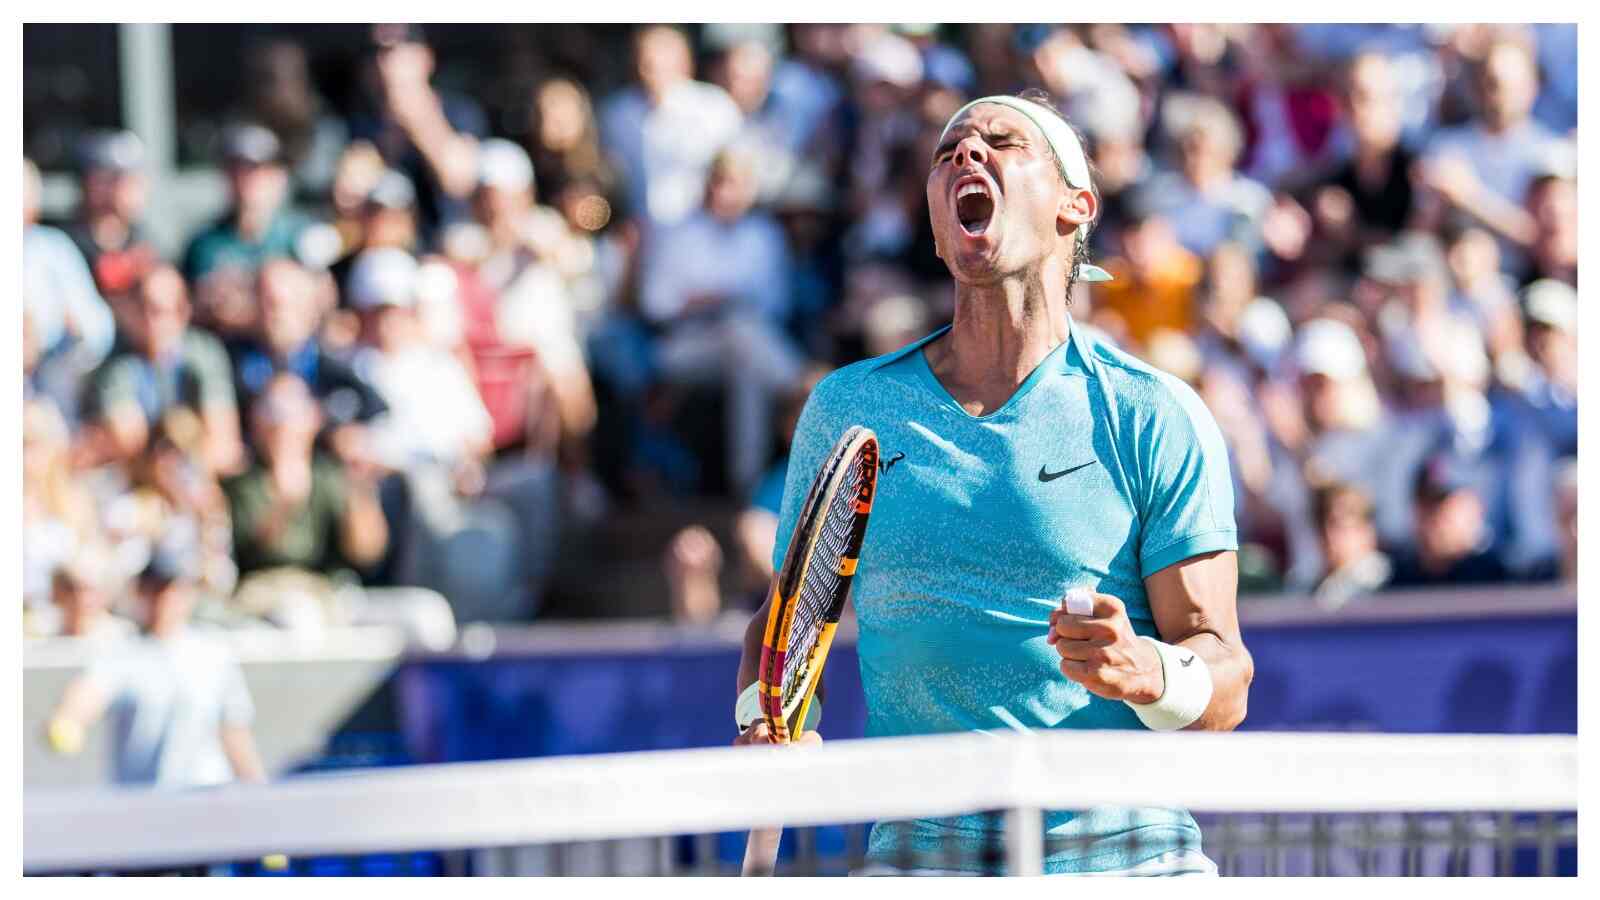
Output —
(567, 801)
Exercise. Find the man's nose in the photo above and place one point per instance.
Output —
(971, 149)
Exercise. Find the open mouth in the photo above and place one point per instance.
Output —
(974, 207)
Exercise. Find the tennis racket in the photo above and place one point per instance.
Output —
(807, 599)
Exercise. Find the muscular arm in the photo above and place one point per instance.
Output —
(750, 655)
(1195, 606)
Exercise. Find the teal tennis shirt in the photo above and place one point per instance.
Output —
(1098, 472)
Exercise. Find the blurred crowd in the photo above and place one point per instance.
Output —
(424, 344)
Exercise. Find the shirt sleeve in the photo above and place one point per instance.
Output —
(111, 675)
(111, 386)
(814, 435)
(238, 710)
(1187, 507)
(85, 307)
(213, 374)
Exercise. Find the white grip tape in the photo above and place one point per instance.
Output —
(747, 710)
(1187, 693)
(1078, 601)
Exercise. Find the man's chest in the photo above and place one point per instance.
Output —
(1016, 508)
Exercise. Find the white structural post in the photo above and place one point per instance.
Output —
(149, 99)
(1024, 841)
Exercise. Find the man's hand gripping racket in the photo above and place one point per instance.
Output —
(808, 596)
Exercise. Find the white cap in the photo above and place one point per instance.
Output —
(1328, 347)
(890, 58)
(1553, 303)
(1264, 330)
(383, 277)
(504, 165)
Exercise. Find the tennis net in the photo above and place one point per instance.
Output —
(1266, 804)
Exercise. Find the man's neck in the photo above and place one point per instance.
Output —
(252, 224)
(1000, 334)
(108, 230)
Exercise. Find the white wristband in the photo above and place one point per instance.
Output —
(1187, 692)
(747, 711)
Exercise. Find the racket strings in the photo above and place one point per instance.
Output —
(823, 587)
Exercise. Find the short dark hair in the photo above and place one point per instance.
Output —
(1326, 497)
(1080, 250)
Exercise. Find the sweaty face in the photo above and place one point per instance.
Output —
(997, 202)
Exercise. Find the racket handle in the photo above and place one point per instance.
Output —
(761, 852)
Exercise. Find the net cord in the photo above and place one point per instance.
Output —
(565, 799)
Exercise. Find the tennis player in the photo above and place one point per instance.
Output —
(1053, 542)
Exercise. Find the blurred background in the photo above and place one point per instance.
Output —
(444, 375)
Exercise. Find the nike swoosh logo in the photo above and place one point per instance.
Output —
(1052, 476)
(1185, 662)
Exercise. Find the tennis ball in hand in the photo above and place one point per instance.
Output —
(64, 736)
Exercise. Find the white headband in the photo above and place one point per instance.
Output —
(1070, 158)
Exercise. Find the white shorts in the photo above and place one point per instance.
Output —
(1171, 864)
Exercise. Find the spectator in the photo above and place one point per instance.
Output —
(178, 700)
(385, 217)
(719, 323)
(1451, 537)
(1552, 206)
(1206, 201)
(171, 496)
(460, 536)
(72, 328)
(109, 229)
(693, 561)
(1353, 566)
(744, 70)
(1483, 291)
(299, 519)
(430, 135)
(1413, 282)
(58, 508)
(885, 74)
(164, 363)
(1154, 276)
(1369, 196)
(566, 148)
(81, 594)
(1551, 386)
(355, 177)
(1484, 169)
(282, 97)
(1347, 433)
(532, 252)
(285, 340)
(805, 86)
(259, 224)
(665, 129)
(1289, 113)
(1238, 328)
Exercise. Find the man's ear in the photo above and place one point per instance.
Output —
(1077, 206)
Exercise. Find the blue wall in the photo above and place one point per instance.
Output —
(1505, 674)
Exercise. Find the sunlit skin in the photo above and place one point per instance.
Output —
(1011, 275)
(1009, 252)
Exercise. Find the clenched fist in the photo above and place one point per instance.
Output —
(1101, 652)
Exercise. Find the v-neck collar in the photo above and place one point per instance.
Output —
(1070, 357)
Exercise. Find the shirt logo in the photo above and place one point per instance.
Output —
(1186, 662)
(1052, 476)
(884, 465)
